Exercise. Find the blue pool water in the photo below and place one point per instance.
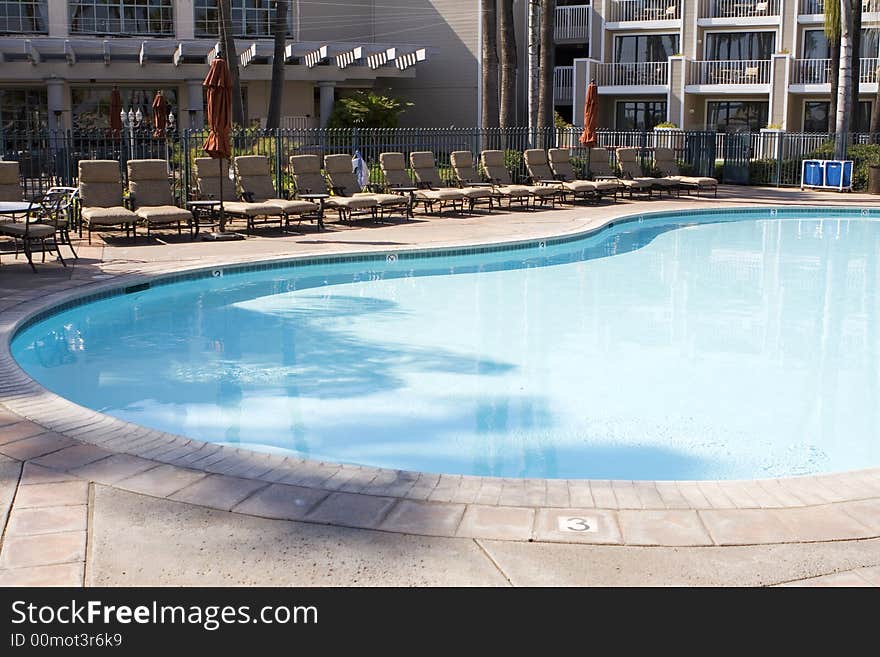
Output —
(719, 347)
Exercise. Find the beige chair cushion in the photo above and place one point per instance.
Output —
(388, 200)
(99, 171)
(251, 209)
(208, 172)
(19, 228)
(536, 163)
(495, 166)
(100, 194)
(463, 166)
(307, 174)
(447, 194)
(517, 191)
(393, 167)
(424, 168)
(292, 206)
(359, 202)
(476, 192)
(580, 186)
(109, 216)
(148, 183)
(600, 164)
(163, 214)
(339, 171)
(10, 184)
(560, 163)
(254, 177)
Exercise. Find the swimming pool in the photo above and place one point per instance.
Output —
(712, 346)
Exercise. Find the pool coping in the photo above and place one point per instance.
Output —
(53, 432)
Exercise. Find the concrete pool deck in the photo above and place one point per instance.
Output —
(89, 499)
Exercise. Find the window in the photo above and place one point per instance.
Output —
(23, 110)
(23, 17)
(739, 45)
(91, 106)
(147, 17)
(816, 116)
(640, 115)
(645, 48)
(816, 44)
(250, 18)
(737, 115)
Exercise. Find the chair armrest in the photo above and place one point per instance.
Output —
(338, 190)
(128, 201)
(247, 197)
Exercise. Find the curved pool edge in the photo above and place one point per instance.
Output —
(836, 506)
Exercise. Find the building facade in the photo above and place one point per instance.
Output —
(725, 65)
(60, 59)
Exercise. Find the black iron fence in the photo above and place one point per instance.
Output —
(763, 158)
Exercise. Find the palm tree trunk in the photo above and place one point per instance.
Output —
(845, 88)
(227, 44)
(856, 63)
(489, 68)
(831, 12)
(276, 90)
(508, 64)
(545, 80)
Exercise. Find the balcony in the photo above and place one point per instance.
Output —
(739, 12)
(563, 85)
(643, 11)
(572, 24)
(739, 76)
(633, 78)
(817, 7)
(814, 75)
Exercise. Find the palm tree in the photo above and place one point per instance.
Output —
(228, 46)
(508, 64)
(856, 59)
(489, 68)
(545, 79)
(276, 89)
(832, 34)
(845, 85)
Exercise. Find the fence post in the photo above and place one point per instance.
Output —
(184, 154)
(278, 161)
(780, 138)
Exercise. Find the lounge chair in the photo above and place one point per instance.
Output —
(497, 172)
(394, 171)
(100, 193)
(600, 169)
(560, 163)
(343, 182)
(208, 171)
(627, 160)
(309, 180)
(150, 195)
(466, 175)
(541, 174)
(256, 186)
(665, 163)
(25, 233)
(425, 169)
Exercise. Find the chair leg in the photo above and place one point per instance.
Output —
(29, 255)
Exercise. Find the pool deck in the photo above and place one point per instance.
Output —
(88, 499)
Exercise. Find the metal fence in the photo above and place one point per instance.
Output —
(765, 158)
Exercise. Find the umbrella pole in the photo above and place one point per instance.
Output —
(222, 212)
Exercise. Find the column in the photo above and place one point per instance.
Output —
(327, 91)
(675, 105)
(780, 67)
(184, 23)
(58, 104)
(194, 104)
(584, 71)
(57, 14)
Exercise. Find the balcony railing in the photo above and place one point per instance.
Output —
(572, 23)
(738, 8)
(818, 71)
(644, 10)
(563, 85)
(818, 6)
(729, 72)
(628, 75)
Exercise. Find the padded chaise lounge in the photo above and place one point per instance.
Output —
(497, 172)
(664, 162)
(425, 169)
(394, 170)
(208, 171)
(345, 183)
(540, 172)
(309, 180)
(600, 169)
(560, 163)
(256, 186)
(151, 197)
(100, 193)
(627, 160)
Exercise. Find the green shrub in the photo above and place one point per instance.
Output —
(862, 155)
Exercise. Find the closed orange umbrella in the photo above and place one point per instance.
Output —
(115, 112)
(588, 137)
(218, 90)
(160, 115)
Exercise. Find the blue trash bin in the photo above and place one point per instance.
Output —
(834, 173)
(813, 175)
